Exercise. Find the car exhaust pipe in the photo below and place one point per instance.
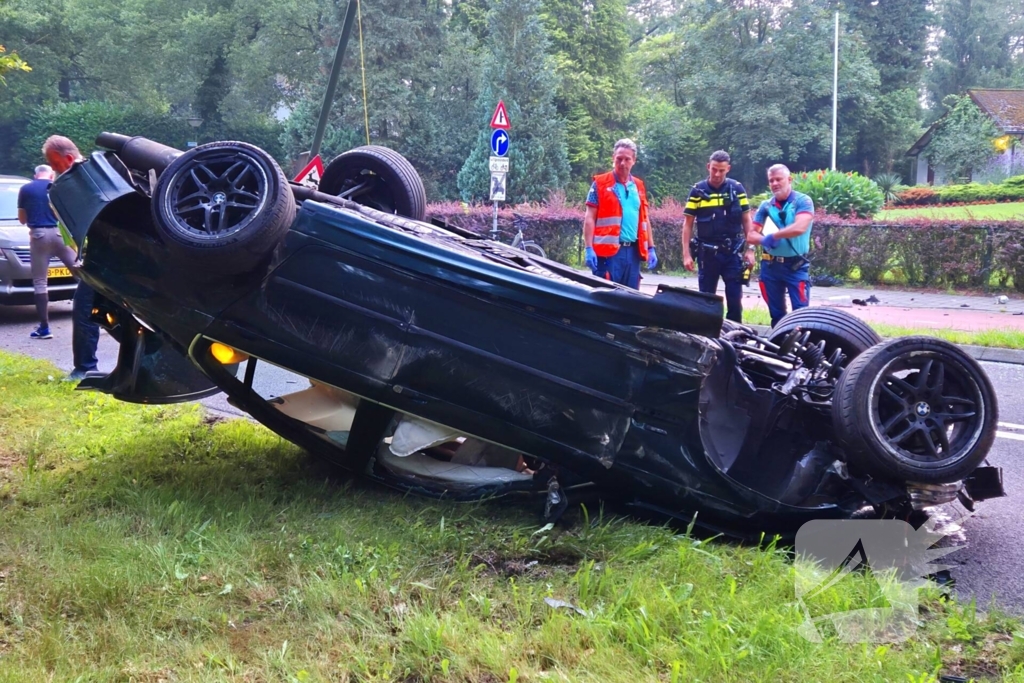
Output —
(139, 152)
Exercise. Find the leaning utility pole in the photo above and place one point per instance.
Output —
(332, 81)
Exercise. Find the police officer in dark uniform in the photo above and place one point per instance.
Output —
(720, 207)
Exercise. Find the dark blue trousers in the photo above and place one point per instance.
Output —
(729, 267)
(623, 267)
(778, 279)
(85, 334)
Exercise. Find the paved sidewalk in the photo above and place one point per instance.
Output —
(894, 307)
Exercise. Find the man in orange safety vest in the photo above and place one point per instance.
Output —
(616, 228)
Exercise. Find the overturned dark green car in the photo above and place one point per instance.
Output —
(441, 362)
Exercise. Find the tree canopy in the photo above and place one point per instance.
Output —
(682, 77)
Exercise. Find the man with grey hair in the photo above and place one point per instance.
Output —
(45, 242)
(616, 228)
(783, 229)
(721, 210)
(62, 153)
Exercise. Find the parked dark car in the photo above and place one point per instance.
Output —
(452, 365)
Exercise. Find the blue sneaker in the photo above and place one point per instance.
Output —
(41, 333)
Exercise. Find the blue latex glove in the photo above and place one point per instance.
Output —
(652, 258)
(769, 242)
(591, 259)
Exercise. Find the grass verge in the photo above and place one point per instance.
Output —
(1006, 339)
(142, 543)
(1003, 211)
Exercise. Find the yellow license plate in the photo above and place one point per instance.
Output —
(58, 272)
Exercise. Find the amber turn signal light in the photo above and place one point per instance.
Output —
(225, 355)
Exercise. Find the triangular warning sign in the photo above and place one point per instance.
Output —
(500, 118)
(311, 174)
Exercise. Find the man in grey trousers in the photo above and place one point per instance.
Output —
(45, 241)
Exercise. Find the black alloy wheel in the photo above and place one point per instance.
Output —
(226, 203)
(916, 409)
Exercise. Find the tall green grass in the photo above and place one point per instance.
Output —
(142, 543)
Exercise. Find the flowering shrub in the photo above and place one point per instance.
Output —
(844, 194)
(916, 196)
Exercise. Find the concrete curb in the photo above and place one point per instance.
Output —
(989, 354)
(995, 355)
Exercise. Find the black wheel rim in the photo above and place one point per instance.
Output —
(927, 409)
(217, 194)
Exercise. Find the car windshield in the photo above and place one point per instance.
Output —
(9, 201)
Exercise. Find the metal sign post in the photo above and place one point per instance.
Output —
(498, 165)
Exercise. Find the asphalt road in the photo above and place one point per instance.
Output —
(988, 567)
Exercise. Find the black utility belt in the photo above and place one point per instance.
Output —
(794, 262)
(728, 246)
(626, 244)
(42, 227)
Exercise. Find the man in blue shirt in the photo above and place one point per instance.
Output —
(45, 241)
(784, 264)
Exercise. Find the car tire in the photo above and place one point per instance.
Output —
(915, 409)
(837, 328)
(222, 207)
(377, 177)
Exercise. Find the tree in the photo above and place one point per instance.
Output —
(890, 124)
(11, 62)
(963, 140)
(518, 71)
(437, 141)
(673, 148)
(895, 34)
(973, 48)
(589, 43)
(761, 72)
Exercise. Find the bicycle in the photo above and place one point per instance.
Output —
(520, 241)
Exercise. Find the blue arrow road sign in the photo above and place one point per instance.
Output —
(499, 143)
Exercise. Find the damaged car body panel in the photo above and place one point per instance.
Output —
(534, 372)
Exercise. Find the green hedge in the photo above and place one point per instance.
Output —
(1011, 190)
(921, 252)
(918, 252)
